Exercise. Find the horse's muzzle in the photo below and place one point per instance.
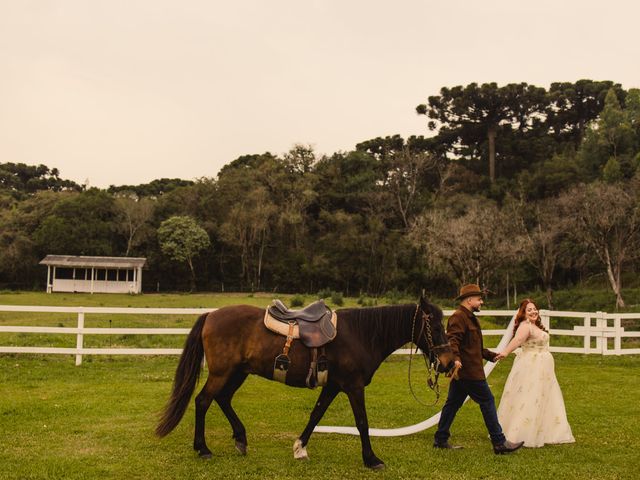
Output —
(446, 368)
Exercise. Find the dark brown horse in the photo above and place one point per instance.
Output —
(235, 343)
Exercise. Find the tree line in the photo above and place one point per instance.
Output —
(516, 185)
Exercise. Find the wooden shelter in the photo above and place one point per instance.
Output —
(72, 273)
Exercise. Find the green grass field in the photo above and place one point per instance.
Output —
(59, 421)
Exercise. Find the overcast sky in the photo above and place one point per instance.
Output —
(127, 91)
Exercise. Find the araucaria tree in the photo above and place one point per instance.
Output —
(181, 238)
(474, 116)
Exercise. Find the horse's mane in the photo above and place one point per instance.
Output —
(379, 326)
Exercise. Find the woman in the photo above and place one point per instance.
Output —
(532, 408)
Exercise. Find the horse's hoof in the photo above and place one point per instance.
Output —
(203, 452)
(299, 452)
(375, 464)
(241, 447)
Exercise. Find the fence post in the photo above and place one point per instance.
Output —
(587, 334)
(545, 319)
(617, 340)
(80, 337)
(601, 340)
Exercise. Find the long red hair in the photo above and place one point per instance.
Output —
(521, 315)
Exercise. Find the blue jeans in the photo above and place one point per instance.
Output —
(480, 393)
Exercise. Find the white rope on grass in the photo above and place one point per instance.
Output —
(429, 422)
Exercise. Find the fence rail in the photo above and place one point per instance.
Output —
(600, 326)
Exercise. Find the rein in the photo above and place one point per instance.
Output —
(432, 367)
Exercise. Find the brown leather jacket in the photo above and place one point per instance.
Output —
(465, 338)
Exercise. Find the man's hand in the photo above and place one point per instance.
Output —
(453, 373)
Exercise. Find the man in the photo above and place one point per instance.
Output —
(465, 338)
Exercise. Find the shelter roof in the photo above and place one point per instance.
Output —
(86, 262)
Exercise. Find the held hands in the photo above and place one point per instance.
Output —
(499, 356)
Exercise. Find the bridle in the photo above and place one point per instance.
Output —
(433, 363)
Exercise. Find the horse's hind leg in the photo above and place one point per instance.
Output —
(203, 400)
(224, 401)
(327, 396)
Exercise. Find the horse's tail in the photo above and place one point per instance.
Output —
(187, 375)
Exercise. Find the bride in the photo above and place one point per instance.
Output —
(532, 407)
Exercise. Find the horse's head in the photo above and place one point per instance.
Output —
(430, 336)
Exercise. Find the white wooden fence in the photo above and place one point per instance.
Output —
(600, 326)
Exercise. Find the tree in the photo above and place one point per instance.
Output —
(19, 253)
(632, 106)
(550, 177)
(473, 244)
(572, 106)
(262, 203)
(21, 179)
(611, 144)
(402, 180)
(79, 224)
(546, 229)
(470, 116)
(133, 214)
(404, 167)
(17, 258)
(607, 220)
(300, 159)
(248, 227)
(156, 188)
(347, 181)
(181, 238)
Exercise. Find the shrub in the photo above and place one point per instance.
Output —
(393, 296)
(336, 298)
(324, 293)
(297, 301)
(367, 302)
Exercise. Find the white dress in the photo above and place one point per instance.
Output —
(532, 407)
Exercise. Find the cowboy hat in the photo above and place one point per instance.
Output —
(470, 290)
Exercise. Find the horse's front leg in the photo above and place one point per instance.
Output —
(327, 395)
(356, 399)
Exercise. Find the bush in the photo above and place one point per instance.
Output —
(324, 293)
(297, 301)
(393, 297)
(336, 298)
(367, 302)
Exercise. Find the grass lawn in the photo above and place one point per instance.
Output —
(156, 300)
(58, 421)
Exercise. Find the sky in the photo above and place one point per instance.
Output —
(122, 92)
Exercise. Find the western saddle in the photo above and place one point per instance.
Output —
(315, 325)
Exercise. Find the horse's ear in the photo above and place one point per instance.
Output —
(423, 297)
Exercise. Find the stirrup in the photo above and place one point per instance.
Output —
(280, 367)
